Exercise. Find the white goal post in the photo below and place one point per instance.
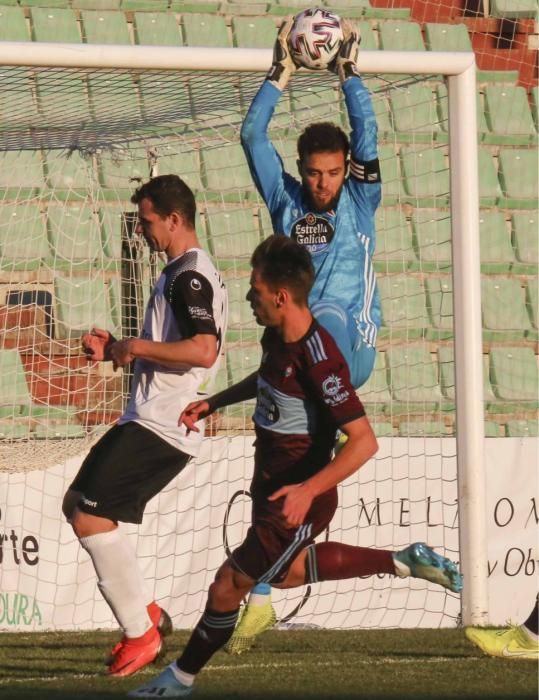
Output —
(460, 70)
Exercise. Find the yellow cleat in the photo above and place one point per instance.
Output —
(254, 619)
(507, 643)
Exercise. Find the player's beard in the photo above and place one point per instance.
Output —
(332, 204)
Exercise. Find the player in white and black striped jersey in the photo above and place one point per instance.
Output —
(175, 360)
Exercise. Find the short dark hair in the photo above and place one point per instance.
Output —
(323, 137)
(168, 193)
(282, 262)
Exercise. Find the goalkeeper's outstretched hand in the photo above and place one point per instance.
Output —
(345, 64)
(283, 66)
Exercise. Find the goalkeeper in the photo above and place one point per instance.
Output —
(330, 212)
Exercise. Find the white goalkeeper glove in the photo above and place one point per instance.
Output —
(283, 66)
(345, 63)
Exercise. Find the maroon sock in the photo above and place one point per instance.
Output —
(332, 561)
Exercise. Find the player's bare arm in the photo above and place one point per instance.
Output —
(198, 351)
(358, 449)
(197, 410)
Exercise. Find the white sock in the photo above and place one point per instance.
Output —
(119, 579)
(184, 678)
(258, 598)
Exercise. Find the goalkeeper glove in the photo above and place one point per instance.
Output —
(283, 66)
(344, 65)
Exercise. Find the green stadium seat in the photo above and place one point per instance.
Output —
(383, 428)
(96, 4)
(394, 247)
(186, 165)
(254, 32)
(397, 35)
(53, 95)
(375, 394)
(513, 373)
(447, 37)
(18, 103)
(439, 292)
(21, 174)
(165, 100)
(525, 238)
(514, 9)
(280, 122)
(443, 106)
(153, 6)
(80, 305)
(504, 309)
(368, 36)
(509, 116)
(72, 177)
(110, 219)
(226, 174)
(15, 429)
(423, 428)
(53, 25)
(48, 3)
(23, 236)
(519, 178)
(535, 105)
(54, 430)
(114, 100)
(121, 177)
(244, 7)
(157, 29)
(13, 24)
(426, 176)
(14, 392)
(446, 363)
(415, 114)
(313, 103)
(497, 253)
(532, 300)
(413, 379)
(392, 189)
(233, 233)
(74, 236)
(489, 187)
(522, 428)
(242, 325)
(204, 6)
(404, 310)
(492, 429)
(349, 8)
(106, 26)
(382, 109)
(205, 30)
(215, 102)
(432, 232)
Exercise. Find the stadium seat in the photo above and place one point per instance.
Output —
(21, 174)
(242, 360)
(121, 177)
(443, 106)
(404, 310)
(535, 105)
(432, 231)
(155, 6)
(204, 6)
(514, 377)
(14, 429)
(381, 106)
(17, 100)
(70, 176)
(74, 236)
(226, 174)
(447, 37)
(80, 305)
(165, 99)
(426, 176)
(509, 116)
(114, 100)
(522, 428)
(489, 187)
(312, 103)
(233, 233)
(446, 363)
(394, 248)
(415, 114)
(439, 292)
(509, 9)
(397, 35)
(532, 300)
(40, 3)
(157, 29)
(52, 94)
(23, 236)
(413, 379)
(495, 238)
(106, 26)
(13, 24)
(110, 219)
(492, 429)
(49, 24)
(504, 309)
(392, 188)
(254, 32)
(14, 392)
(215, 102)
(519, 178)
(56, 430)
(96, 4)
(525, 239)
(383, 428)
(374, 394)
(241, 322)
(205, 30)
(423, 428)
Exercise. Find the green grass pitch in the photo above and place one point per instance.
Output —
(314, 664)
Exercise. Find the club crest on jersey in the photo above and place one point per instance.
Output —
(312, 231)
(334, 394)
(288, 371)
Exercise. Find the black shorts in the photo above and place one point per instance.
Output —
(269, 548)
(124, 470)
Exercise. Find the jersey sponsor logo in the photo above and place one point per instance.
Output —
(200, 313)
(334, 394)
(312, 231)
(266, 409)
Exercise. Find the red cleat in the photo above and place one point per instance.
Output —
(161, 620)
(136, 652)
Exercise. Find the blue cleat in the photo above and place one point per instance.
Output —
(165, 685)
(420, 561)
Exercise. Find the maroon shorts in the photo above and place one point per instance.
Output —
(270, 547)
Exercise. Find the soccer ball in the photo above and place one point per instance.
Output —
(315, 38)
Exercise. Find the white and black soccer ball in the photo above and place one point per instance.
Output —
(315, 38)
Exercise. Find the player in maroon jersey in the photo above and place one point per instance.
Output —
(303, 395)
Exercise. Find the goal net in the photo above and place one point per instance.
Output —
(74, 144)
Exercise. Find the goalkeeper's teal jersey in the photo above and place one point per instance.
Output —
(341, 241)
